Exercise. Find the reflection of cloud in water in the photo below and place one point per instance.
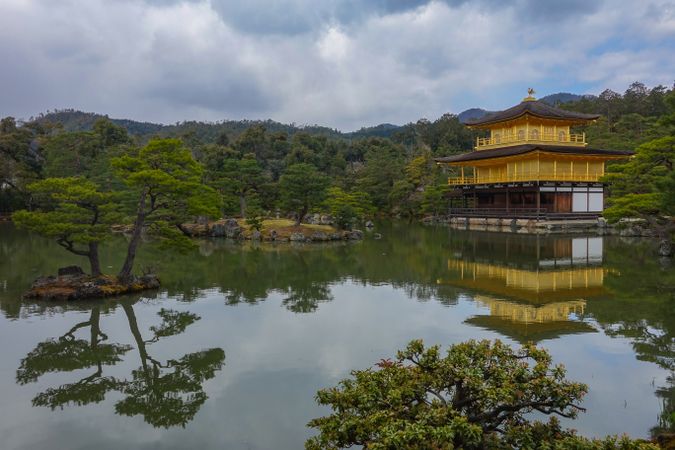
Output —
(276, 361)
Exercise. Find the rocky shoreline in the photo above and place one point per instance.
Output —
(274, 230)
(72, 283)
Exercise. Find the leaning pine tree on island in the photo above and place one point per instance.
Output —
(74, 212)
(166, 183)
(163, 183)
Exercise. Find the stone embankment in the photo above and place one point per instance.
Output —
(625, 227)
(72, 283)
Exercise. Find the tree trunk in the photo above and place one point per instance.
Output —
(125, 272)
(95, 326)
(133, 327)
(93, 259)
(183, 230)
(301, 215)
(242, 205)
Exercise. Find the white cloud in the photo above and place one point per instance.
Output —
(333, 45)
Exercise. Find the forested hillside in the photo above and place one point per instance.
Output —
(387, 169)
(72, 120)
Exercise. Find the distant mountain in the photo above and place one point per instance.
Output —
(560, 97)
(473, 113)
(385, 130)
(552, 99)
(72, 120)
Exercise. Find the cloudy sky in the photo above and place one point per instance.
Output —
(340, 63)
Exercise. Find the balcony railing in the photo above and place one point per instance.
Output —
(455, 181)
(533, 137)
(519, 213)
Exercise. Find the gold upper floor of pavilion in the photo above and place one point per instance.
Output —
(531, 122)
(531, 141)
(532, 135)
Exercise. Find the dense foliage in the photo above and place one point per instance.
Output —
(166, 183)
(153, 189)
(74, 212)
(251, 164)
(302, 187)
(243, 161)
(645, 185)
(477, 396)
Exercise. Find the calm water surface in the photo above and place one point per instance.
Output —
(230, 352)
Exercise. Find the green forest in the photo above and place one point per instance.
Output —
(261, 168)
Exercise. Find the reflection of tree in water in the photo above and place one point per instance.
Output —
(666, 419)
(248, 273)
(650, 344)
(408, 258)
(305, 298)
(165, 393)
(66, 354)
(302, 276)
(643, 312)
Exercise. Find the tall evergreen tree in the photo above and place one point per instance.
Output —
(302, 188)
(169, 190)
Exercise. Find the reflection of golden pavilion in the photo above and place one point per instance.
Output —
(537, 298)
(538, 285)
(523, 313)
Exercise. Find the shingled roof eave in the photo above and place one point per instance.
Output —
(478, 155)
(530, 107)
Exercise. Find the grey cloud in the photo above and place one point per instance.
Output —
(553, 10)
(541, 10)
(292, 17)
(263, 17)
(341, 63)
(231, 93)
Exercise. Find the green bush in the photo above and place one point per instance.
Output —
(477, 396)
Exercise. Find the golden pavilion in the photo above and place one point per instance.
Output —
(531, 165)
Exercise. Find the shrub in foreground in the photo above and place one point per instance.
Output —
(477, 396)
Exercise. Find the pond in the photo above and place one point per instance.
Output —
(231, 351)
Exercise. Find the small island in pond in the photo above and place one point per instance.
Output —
(72, 283)
(273, 230)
